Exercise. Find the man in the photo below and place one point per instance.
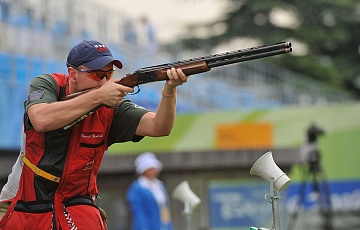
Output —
(53, 182)
(147, 196)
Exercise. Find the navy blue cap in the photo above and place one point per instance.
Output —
(91, 54)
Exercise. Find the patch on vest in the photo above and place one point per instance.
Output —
(36, 95)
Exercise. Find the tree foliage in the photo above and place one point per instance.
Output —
(325, 35)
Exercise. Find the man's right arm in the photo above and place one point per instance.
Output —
(50, 114)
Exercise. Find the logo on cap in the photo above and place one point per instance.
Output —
(101, 48)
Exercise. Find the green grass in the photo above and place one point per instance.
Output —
(341, 154)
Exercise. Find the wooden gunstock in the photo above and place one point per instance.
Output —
(160, 74)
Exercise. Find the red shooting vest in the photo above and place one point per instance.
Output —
(86, 146)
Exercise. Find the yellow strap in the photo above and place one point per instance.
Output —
(38, 171)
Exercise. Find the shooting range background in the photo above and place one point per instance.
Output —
(339, 151)
(41, 46)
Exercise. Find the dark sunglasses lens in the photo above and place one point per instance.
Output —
(103, 76)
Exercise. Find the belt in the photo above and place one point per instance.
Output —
(47, 206)
(39, 171)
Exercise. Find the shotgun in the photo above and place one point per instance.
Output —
(198, 65)
(192, 66)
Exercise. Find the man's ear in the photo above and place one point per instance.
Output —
(72, 74)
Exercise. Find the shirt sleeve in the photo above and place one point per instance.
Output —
(126, 119)
(43, 89)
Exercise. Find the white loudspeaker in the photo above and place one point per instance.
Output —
(183, 193)
(266, 168)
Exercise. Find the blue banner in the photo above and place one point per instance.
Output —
(237, 205)
(341, 196)
(240, 205)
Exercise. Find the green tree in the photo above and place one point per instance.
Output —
(325, 35)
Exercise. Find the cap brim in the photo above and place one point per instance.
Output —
(101, 62)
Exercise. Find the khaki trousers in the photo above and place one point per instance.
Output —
(3, 209)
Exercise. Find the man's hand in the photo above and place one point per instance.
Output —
(176, 78)
(112, 93)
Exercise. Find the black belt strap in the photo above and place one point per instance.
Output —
(47, 206)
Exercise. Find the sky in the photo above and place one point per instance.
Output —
(170, 16)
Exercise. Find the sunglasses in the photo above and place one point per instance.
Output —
(98, 75)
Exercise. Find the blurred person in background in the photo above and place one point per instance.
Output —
(148, 38)
(53, 182)
(147, 196)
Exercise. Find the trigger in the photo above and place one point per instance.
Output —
(137, 91)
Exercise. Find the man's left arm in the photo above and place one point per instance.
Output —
(161, 123)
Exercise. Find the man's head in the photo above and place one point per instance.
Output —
(92, 54)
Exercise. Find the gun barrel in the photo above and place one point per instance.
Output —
(228, 57)
(250, 51)
(243, 58)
